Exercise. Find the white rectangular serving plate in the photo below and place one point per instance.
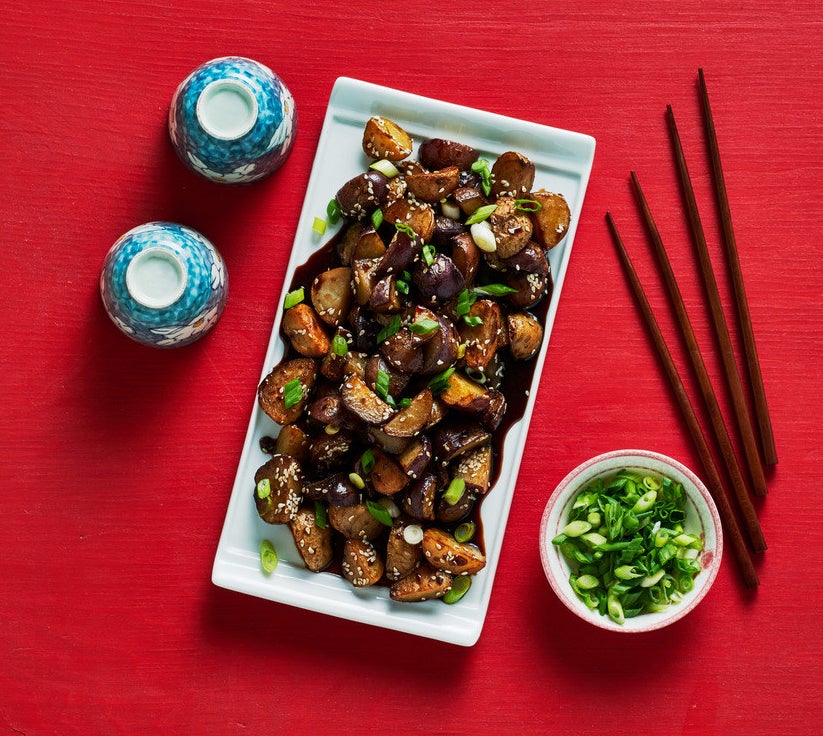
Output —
(563, 162)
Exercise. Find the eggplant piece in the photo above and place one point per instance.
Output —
(529, 288)
(432, 186)
(385, 298)
(493, 412)
(361, 565)
(402, 558)
(336, 490)
(417, 455)
(359, 399)
(469, 198)
(452, 439)
(270, 393)
(305, 332)
(418, 498)
(387, 443)
(333, 365)
(278, 489)
(441, 351)
(331, 295)
(443, 552)
(531, 259)
(512, 176)
(313, 542)
(424, 584)
(438, 153)
(445, 229)
(400, 254)
(362, 194)
(454, 513)
(401, 352)
(329, 452)
(355, 522)
(383, 138)
(438, 282)
(525, 335)
(551, 222)
(466, 256)
(377, 363)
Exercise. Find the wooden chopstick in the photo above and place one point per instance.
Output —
(741, 413)
(752, 524)
(744, 320)
(727, 517)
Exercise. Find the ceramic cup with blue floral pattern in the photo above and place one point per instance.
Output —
(232, 120)
(164, 284)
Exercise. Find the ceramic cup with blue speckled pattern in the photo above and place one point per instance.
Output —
(232, 120)
(164, 284)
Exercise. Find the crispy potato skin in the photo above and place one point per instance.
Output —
(285, 489)
(313, 543)
(551, 222)
(443, 552)
(383, 138)
(270, 391)
(424, 584)
(525, 335)
(362, 566)
(305, 331)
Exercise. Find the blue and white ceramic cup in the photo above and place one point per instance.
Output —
(232, 120)
(163, 284)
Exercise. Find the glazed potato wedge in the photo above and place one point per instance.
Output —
(293, 441)
(464, 394)
(359, 399)
(331, 295)
(469, 199)
(313, 543)
(383, 138)
(400, 254)
(363, 278)
(435, 185)
(278, 489)
(417, 215)
(361, 565)
(305, 331)
(475, 468)
(387, 477)
(525, 335)
(512, 176)
(387, 443)
(443, 552)
(481, 340)
(410, 421)
(369, 244)
(416, 456)
(271, 389)
(551, 222)
(402, 558)
(512, 228)
(355, 522)
(423, 584)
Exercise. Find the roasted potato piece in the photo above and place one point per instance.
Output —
(270, 392)
(481, 340)
(348, 242)
(419, 216)
(369, 244)
(469, 199)
(305, 331)
(443, 552)
(451, 439)
(464, 394)
(475, 468)
(418, 498)
(355, 522)
(525, 335)
(423, 584)
(292, 440)
(362, 194)
(364, 277)
(512, 176)
(441, 351)
(331, 295)
(410, 421)
(400, 254)
(512, 228)
(387, 443)
(402, 558)
(333, 365)
(416, 456)
(383, 138)
(278, 489)
(435, 185)
(551, 222)
(313, 543)
(361, 565)
(439, 153)
(359, 399)
(387, 477)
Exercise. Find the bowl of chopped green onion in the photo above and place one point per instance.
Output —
(631, 540)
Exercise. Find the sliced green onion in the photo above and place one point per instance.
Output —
(390, 329)
(404, 402)
(428, 254)
(367, 461)
(292, 393)
(377, 218)
(339, 345)
(493, 290)
(381, 384)
(472, 321)
(587, 582)
(357, 481)
(268, 556)
(481, 213)
(460, 586)
(319, 225)
(263, 488)
(385, 167)
(527, 205)
(481, 166)
(465, 299)
(379, 512)
(465, 532)
(440, 382)
(576, 528)
(455, 491)
(333, 211)
(404, 227)
(424, 326)
(321, 517)
(294, 298)
(402, 286)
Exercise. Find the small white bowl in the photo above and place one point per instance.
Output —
(701, 519)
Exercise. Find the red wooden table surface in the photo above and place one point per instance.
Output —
(117, 460)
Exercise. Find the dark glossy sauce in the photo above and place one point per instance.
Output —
(516, 383)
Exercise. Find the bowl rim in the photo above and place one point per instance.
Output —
(570, 483)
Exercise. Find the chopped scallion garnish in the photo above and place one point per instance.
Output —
(292, 393)
(319, 225)
(424, 326)
(268, 556)
(379, 512)
(481, 167)
(339, 345)
(460, 586)
(385, 167)
(455, 491)
(377, 218)
(333, 211)
(321, 517)
(440, 382)
(404, 227)
(264, 488)
(481, 213)
(381, 384)
(428, 253)
(473, 321)
(494, 290)
(293, 298)
(527, 205)
(465, 299)
(390, 329)
(367, 461)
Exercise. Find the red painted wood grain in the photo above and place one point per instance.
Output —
(117, 461)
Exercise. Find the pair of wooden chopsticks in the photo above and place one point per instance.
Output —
(744, 424)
